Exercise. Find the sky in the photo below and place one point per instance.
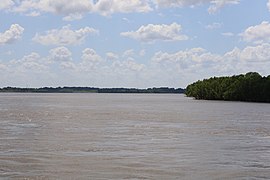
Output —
(131, 43)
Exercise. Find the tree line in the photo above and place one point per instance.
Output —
(250, 87)
(92, 90)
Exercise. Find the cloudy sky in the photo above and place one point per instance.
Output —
(131, 43)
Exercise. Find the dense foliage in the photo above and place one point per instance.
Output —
(249, 87)
(92, 90)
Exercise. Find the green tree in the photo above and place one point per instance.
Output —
(249, 87)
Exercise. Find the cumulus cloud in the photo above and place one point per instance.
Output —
(6, 4)
(127, 66)
(111, 56)
(107, 7)
(216, 4)
(128, 53)
(73, 17)
(164, 69)
(60, 7)
(185, 59)
(32, 69)
(258, 53)
(32, 62)
(90, 55)
(152, 33)
(207, 64)
(64, 36)
(60, 54)
(64, 7)
(258, 33)
(68, 65)
(75, 9)
(89, 60)
(33, 14)
(131, 64)
(13, 34)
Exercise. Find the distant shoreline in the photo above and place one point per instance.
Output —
(154, 90)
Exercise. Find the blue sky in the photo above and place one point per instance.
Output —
(131, 43)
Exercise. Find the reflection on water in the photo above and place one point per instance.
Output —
(132, 136)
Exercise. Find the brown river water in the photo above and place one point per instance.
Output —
(132, 136)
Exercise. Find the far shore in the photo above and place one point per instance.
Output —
(159, 90)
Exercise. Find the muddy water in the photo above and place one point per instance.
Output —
(132, 136)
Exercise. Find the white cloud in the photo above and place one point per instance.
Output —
(32, 62)
(93, 63)
(60, 54)
(68, 65)
(73, 17)
(6, 4)
(90, 59)
(250, 58)
(207, 64)
(13, 34)
(107, 7)
(64, 36)
(164, 69)
(59, 69)
(126, 20)
(214, 25)
(90, 55)
(33, 14)
(60, 7)
(257, 34)
(75, 9)
(31, 69)
(185, 59)
(111, 56)
(64, 7)
(127, 66)
(216, 4)
(131, 64)
(258, 53)
(128, 53)
(152, 33)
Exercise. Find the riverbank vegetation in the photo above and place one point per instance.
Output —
(250, 87)
(91, 90)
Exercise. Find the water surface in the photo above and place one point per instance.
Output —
(132, 136)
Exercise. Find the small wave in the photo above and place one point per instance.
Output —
(25, 125)
(260, 166)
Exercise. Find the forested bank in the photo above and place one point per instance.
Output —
(250, 87)
(92, 90)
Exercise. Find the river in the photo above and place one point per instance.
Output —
(132, 136)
